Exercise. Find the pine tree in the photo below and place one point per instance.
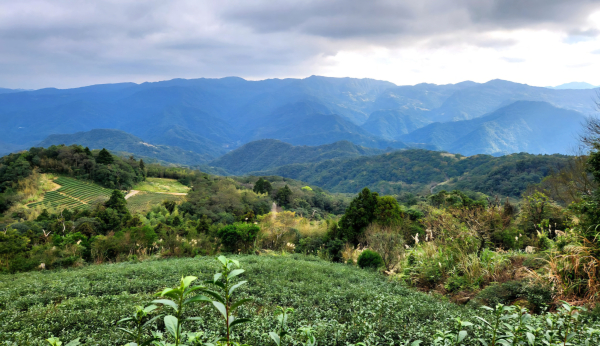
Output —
(104, 157)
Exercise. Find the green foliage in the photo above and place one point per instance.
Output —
(271, 153)
(117, 202)
(284, 196)
(539, 297)
(360, 213)
(104, 157)
(223, 302)
(142, 321)
(262, 186)
(370, 259)
(327, 298)
(388, 211)
(282, 326)
(415, 170)
(239, 236)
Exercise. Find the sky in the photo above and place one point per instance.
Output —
(65, 43)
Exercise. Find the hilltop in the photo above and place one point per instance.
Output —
(120, 141)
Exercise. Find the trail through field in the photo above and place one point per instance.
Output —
(131, 193)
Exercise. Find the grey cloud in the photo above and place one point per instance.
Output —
(71, 42)
(353, 19)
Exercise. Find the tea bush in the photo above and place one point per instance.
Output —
(341, 303)
(333, 304)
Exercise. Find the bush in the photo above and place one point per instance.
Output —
(538, 296)
(22, 264)
(370, 259)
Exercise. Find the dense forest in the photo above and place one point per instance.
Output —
(417, 171)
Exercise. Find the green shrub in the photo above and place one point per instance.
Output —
(370, 259)
(22, 264)
(537, 296)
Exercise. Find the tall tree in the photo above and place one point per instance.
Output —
(262, 186)
(117, 202)
(360, 213)
(284, 195)
(104, 157)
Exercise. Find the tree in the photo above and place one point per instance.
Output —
(388, 211)
(284, 195)
(117, 202)
(238, 236)
(360, 213)
(104, 157)
(262, 186)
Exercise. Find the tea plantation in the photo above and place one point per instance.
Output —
(342, 303)
(72, 194)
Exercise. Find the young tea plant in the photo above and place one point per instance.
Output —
(141, 322)
(454, 337)
(282, 317)
(225, 286)
(180, 297)
(53, 341)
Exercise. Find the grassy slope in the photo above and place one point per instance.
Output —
(142, 202)
(161, 185)
(86, 302)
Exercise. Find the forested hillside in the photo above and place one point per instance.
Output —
(418, 171)
(122, 142)
(271, 153)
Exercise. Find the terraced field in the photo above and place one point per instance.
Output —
(72, 194)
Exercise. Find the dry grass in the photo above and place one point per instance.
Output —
(573, 274)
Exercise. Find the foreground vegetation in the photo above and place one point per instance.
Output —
(339, 304)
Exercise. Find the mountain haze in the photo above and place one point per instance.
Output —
(524, 126)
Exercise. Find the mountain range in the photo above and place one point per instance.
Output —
(210, 117)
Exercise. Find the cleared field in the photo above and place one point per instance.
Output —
(72, 194)
(143, 201)
(161, 185)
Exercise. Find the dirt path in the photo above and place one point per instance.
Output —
(131, 193)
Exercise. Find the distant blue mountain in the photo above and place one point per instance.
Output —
(213, 116)
(523, 126)
(575, 85)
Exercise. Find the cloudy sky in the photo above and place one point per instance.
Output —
(65, 43)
